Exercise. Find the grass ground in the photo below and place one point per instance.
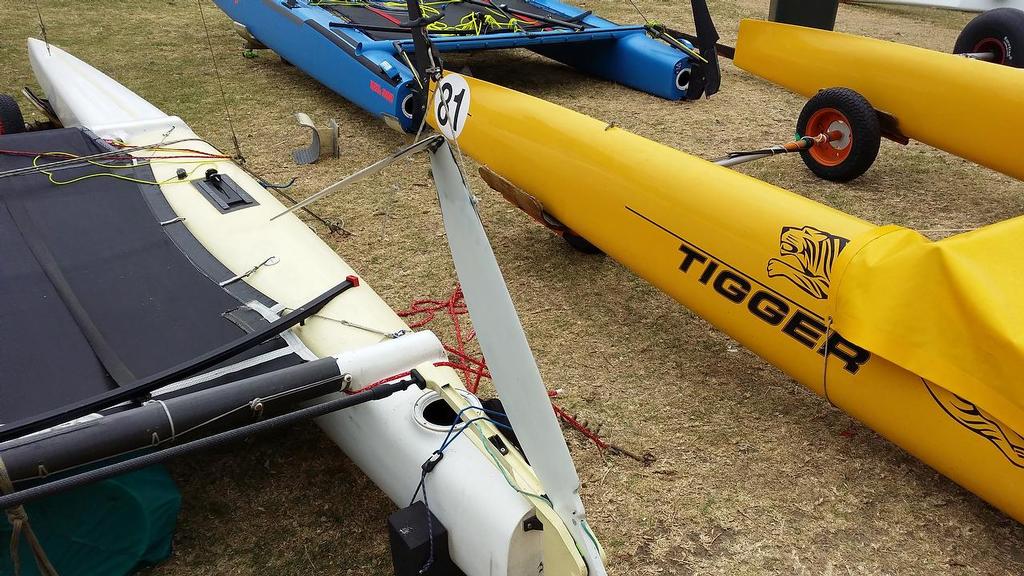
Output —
(755, 475)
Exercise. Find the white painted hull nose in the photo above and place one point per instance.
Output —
(82, 96)
(389, 440)
(485, 517)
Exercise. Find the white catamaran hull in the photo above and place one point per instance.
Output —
(388, 439)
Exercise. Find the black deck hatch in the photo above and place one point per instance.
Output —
(223, 192)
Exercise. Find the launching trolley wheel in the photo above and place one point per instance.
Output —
(996, 36)
(580, 243)
(853, 129)
(11, 120)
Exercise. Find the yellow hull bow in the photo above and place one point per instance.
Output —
(966, 107)
(757, 261)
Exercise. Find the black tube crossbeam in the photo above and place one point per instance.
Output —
(174, 419)
(27, 495)
(140, 389)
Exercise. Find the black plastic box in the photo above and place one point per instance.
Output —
(410, 543)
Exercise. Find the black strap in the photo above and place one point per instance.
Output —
(141, 388)
(106, 354)
(420, 46)
(707, 39)
(704, 25)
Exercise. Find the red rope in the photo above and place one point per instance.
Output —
(384, 14)
(34, 154)
(473, 368)
(378, 383)
(578, 426)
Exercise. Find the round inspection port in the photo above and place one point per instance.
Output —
(433, 413)
(683, 79)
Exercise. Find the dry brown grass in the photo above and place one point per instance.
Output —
(755, 475)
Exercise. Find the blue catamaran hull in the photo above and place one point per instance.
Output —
(374, 74)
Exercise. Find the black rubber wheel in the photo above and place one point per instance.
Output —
(11, 120)
(842, 112)
(1000, 31)
(580, 244)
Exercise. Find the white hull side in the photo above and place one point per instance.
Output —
(82, 96)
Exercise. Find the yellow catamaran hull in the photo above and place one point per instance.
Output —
(753, 259)
(966, 107)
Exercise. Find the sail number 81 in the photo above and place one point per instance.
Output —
(452, 105)
(445, 102)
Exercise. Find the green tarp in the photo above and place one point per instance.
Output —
(109, 528)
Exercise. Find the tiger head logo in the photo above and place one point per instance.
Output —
(806, 255)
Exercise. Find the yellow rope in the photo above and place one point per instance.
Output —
(35, 164)
(469, 22)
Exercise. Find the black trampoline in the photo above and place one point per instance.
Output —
(380, 20)
(97, 293)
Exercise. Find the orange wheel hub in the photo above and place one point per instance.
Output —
(834, 123)
(995, 46)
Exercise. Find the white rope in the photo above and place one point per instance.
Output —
(170, 420)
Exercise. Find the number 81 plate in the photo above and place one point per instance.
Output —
(451, 105)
